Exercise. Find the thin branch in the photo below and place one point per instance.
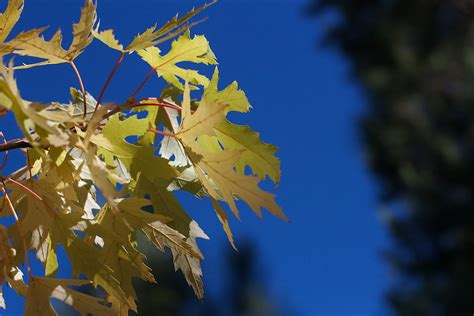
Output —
(143, 83)
(119, 61)
(28, 164)
(83, 90)
(15, 145)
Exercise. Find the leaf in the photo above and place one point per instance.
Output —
(214, 167)
(42, 290)
(8, 269)
(26, 114)
(9, 18)
(191, 266)
(184, 49)
(152, 36)
(224, 219)
(103, 178)
(112, 143)
(259, 156)
(33, 44)
(112, 233)
(156, 231)
(232, 96)
(108, 38)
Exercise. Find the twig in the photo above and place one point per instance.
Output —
(83, 90)
(117, 64)
(15, 145)
(153, 69)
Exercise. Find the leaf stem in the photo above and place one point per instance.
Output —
(117, 64)
(128, 106)
(162, 133)
(20, 228)
(81, 84)
(163, 105)
(15, 145)
(39, 198)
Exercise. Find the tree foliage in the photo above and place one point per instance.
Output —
(135, 154)
(414, 60)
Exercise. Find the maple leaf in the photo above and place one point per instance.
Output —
(183, 49)
(259, 156)
(217, 165)
(191, 266)
(8, 263)
(9, 18)
(33, 44)
(42, 290)
(26, 113)
(152, 36)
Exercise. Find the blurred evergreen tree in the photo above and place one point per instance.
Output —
(415, 61)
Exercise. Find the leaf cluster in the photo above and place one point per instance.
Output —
(135, 154)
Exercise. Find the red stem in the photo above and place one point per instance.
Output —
(162, 133)
(143, 83)
(83, 90)
(117, 64)
(26, 188)
(39, 198)
(164, 105)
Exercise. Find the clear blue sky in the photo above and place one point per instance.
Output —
(326, 261)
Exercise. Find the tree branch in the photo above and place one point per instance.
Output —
(15, 145)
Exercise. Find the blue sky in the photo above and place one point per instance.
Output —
(326, 260)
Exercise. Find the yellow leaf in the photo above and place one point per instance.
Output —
(215, 168)
(9, 18)
(32, 44)
(224, 219)
(42, 290)
(152, 36)
(191, 266)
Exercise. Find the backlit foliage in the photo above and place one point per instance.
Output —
(132, 155)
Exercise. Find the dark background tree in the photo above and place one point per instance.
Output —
(415, 61)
